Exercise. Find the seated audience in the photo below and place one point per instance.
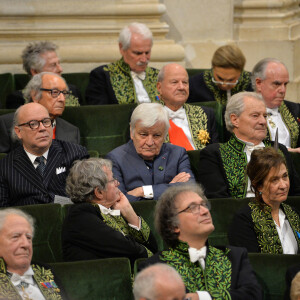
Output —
(226, 78)
(191, 126)
(289, 276)
(49, 90)
(19, 277)
(102, 223)
(267, 225)
(128, 80)
(36, 172)
(222, 166)
(270, 78)
(146, 166)
(158, 282)
(40, 57)
(183, 219)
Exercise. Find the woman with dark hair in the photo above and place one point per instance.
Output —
(266, 224)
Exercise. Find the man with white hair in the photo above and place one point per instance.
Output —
(19, 278)
(129, 80)
(270, 78)
(158, 282)
(146, 166)
(222, 166)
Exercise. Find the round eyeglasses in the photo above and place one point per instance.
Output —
(35, 124)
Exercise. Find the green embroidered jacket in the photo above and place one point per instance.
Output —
(41, 274)
(265, 229)
(123, 85)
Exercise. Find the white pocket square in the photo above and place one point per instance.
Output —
(60, 170)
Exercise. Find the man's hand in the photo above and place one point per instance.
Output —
(297, 150)
(137, 192)
(192, 296)
(181, 177)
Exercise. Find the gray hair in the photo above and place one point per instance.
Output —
(31, 55)
(149, 114)
(235, 105)
(13, 134)
(35, 84)
(145, 283)
(161, 74)
(126, 32)
(85, 176)
(295, 287)
(4, 213)
(166, 219)
(259, 70)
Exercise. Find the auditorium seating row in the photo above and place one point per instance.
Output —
(110, 278)
(11, 82)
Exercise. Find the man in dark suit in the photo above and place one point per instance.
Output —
(222, 166)
(184, 221)
(37, 171)
(128, 80)
(40, 57)
(270, 78)
(52, 100)
(146, 166)
(192, 127)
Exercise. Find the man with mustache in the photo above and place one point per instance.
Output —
(183, 219)
(50, 90)
(36, 172)
(129, 80)
(222, 166)
(270, 78)
(19, 277)
(191, 126)
(146, 166)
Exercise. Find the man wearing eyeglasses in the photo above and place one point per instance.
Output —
(36, 172)
(50, 90)
(184, 221)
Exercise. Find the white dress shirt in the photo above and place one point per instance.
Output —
(141, 93)
(32, 157)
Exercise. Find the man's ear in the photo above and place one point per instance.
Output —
(17, 131)
(234, 120)
(258, 82)
(33, 72)
(121, 49)
(98, 194)
(158, 87)
(176, 230)
(33, 95)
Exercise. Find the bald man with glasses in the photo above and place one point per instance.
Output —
(36, 172)
(51, 91)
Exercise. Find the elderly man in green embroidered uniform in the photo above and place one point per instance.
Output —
(222, 166)
(19, 279)
(183, 220)
(270, 78)
(129, 80)
(191, 126)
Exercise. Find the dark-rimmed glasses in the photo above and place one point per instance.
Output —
(114, 180)
(55, 92)
(194, 208)
(224, 83)
(35, 124)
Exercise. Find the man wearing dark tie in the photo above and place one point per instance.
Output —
(36, 172)
(184, 221)
(192, 127)
(50, 90)
(222, 166)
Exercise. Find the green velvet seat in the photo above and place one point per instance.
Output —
(193, 72)
(21, 80)
(102, 127)
(270, 271)
(194, 157)
(105, 279)
(6, 87)
(296, 161)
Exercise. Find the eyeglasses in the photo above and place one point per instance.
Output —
(55, 92)
(114, 180)
(195, 208)
(224, 83)
(35, 124)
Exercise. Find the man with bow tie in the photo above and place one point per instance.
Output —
(183, 219)
(191, 126)
(270, 78)
(51, 91)
(19, 277)
(222, 166)
(35, 172)
(146, 166)
(102, 223)
(129, 80)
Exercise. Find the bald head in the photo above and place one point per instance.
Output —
(35, 141)
(173, 85)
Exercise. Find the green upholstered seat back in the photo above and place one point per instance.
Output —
(192, 72)
(270, 271)
(194, 161)
(6, 87)
(21, 81)
(296, 160)
(96, 279)
(102, 127)
(146, 209)
(47, 238)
